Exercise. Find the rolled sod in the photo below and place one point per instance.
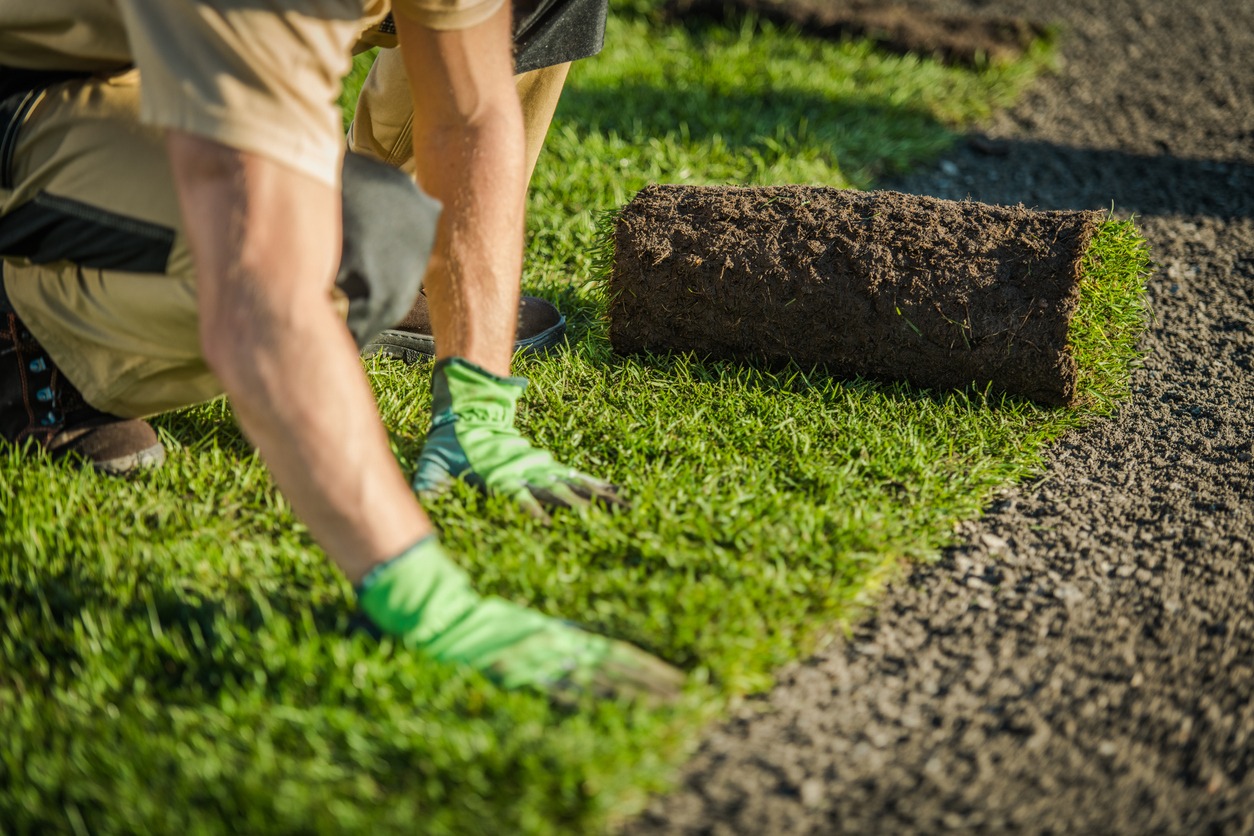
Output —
(943, 294)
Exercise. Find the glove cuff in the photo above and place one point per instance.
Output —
(417, 594)
(461, 388)
(429, 543)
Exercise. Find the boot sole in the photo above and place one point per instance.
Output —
(148, 459)
(413, 347)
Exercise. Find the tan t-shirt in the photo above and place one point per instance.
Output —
(258, 75)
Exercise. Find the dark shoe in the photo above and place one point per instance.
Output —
(540, 327)
(38, 404)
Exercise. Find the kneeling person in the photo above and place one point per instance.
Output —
(174, 230)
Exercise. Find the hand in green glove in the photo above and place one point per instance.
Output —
(473, 438)
(427, 602)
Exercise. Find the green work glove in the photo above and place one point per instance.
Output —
(473, 438)
(427, 602)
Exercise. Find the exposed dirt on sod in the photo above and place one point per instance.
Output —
(1083, 662)
(942, 293)
(898, 27)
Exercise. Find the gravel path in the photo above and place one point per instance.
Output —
(1084, 662)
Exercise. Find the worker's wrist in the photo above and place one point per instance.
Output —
(427, 543)
(462, 390)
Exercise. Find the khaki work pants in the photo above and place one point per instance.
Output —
(125, 331)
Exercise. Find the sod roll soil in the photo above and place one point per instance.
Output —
(943, 294)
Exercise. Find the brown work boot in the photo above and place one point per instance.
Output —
(39, 404)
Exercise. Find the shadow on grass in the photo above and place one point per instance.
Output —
(869, 137)
(164, 636)
(588, 331)
(788, 377)
(205, 425)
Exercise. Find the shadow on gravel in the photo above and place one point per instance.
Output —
(1044, 175)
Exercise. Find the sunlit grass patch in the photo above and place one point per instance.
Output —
(177, 656)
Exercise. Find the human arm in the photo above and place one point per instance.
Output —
(470, 154)
(265, 239)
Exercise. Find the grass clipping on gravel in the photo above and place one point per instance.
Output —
(174, 650)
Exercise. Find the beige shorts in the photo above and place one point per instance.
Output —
(125, 330)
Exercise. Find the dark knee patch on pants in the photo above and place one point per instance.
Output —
(547, 32)
(389, 232)
(48, 228)
(551, 32)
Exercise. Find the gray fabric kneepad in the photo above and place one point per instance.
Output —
(389, 232)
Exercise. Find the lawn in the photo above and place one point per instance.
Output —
(176, 654)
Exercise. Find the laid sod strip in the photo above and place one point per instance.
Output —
(176, 655)
(939, 293)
